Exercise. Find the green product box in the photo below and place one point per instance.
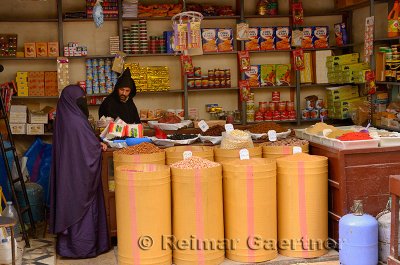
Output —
(268, 75)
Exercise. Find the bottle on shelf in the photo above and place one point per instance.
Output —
(11, 212)
(393, 20)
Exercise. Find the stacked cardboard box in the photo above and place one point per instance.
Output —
(36, 83)
(346, 69)
(22, 84)
(50, 84)
(18, 117)
(339, 100)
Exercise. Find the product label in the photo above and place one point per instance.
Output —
(267, 38)
(187, 154)
(228, 127)
(297, 149)
(272, 136)
(244, 154)
(203, 125)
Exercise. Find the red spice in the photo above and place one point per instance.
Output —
(353, 136)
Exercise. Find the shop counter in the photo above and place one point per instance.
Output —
(358, 174)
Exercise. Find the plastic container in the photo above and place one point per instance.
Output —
(389, 141)
(223, 155)
(384, 222)
(6, 253)
(358, 238)
(360, 144)
(143, 205)
(11, 212)
(250, 207)
(302, 187)
(135, 141)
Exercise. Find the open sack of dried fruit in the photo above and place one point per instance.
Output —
(170, 122)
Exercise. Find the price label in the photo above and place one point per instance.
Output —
(272, 136)
(187, 154)
(297, 149)
(244, 154)
(326, 132)
(203, 125)
(228, 127)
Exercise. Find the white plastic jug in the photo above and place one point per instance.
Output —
(11, 212)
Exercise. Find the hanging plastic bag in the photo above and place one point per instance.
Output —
(39, 165)
(98, 15)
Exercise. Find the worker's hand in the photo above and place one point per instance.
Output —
(103, 147)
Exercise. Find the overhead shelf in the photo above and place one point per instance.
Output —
(213, 89)
(28, 58)
(28, 20)
(387, 39)
(269, 87)
(36, 97)
(388, 83)
(86, 19)
(169, 18)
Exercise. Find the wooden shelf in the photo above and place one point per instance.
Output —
(268, 51)
(312, 49)
(267, 87)
(387, 39)
(32, 97)
(45, 134)
(28, 58)
(268, 17)
(139, 93)
(213, 89)
(388, 83)
(90, 57)
(28, 20)
(285, 121)
(313, 85)
(220, 53)
(86, 19)
(169, 18)
(153, 54)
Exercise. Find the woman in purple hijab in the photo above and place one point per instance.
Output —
(77, 211)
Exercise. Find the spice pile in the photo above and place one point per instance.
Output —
(182, 136)
(354, 136)
(338, 133)
(215, 130)
(267, 126)
(319, 127)
(194, 162)
(287, 142)
(143, 148)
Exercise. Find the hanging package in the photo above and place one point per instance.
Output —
(98, 15)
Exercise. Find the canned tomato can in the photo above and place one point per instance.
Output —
(319, 104)
(250, 116)
(190, 82)
(276, 96)
(262, 106)
(323, 113)
(292, 115)
(282, 106)
(204, 82)
(197, 82)
(268, 115)
(210, 82)
(276, 116)
(272, 106)
(259, 116)
(222, 82)
(217, 83)
(305, 114)
(289, 105)
(284, 115)
(310, 104)
(314, 114)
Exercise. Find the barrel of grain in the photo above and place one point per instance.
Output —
(144, 153)
(250, 209)
(143, 204)
(302, 205)
(197, 212)
(175, 154)
(274, 152)
(224, 155)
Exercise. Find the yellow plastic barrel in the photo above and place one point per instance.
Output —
(123, 159)
(302, 205)
(274, 152)
(175, 154)
(197, 216)
(143, 204)
(250, 209)
(224, 155)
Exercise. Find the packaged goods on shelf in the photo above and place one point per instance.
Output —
(52, 49)
(307, 40)
(315, 109)
(41, 49)
(110, 8)
(283, 38)
(36, 83)
(216, 78)
(22, 84)
(321, 71)
(114, 45)
(211, 10)
(209, 40)
(225, 39)
(41, 116)
(320, 37)
(306, 75)
(159, 10)
(30, 49)
(268, 75)
(346, 69)
(73, 49)
(18, 114)
(253, 44)
(50, 84)
(253, 76)
(169, 41)
(267, 38)
(8, 44)
(35, 129)
(130, 8)
(62, 73)
(18, 128)
(99, 77)
(283, 74)
(340, 34)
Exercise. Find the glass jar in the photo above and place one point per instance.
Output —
(230, 117)
(238, 116)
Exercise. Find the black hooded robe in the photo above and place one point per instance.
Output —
(114, 108)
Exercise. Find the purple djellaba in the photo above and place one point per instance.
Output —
(77, 211)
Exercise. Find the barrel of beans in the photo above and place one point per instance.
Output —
(223, 155)
(283, 147)
(143, 204)
(197, 211)
(175, 154)
(250, 209)
(144, 153)
(302, 205)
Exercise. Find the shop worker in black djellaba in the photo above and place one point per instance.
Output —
(120, 102)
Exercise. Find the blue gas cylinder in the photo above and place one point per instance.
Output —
(358, 238)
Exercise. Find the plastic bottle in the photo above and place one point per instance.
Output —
(393, 20)
(11, 212)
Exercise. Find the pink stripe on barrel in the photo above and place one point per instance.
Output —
(199, 214)
(287, 150)
(132, 211)
(302, 208)
(250, 209)
(136, 158)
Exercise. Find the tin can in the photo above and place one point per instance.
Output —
(228, 82)
(222, 82)
(250, 116)
(250, 106)
(227, 72)
(230, 117)
(262, 106)
(292, 115)
(197, 82)
(284, 115)
(289, 105)
(282, 106)
(319, 104)
(204, 82)
(197, 71)
(217, 73)
(276, 116)
(211, 73)
(305, 114)
(259, 116)
(210, 82)
(251, 97)
(268, 115)
(314, 114)
(272, 106)
(190, 82)
(323, 113)
(276, 96)
(217, 83)
(310, 104)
